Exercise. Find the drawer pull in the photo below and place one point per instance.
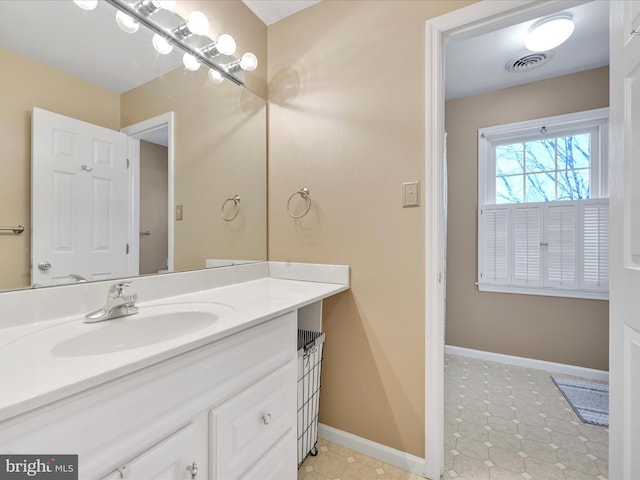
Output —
(266, 418)
(193, 469)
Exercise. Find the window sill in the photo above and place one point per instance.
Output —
(547, 292)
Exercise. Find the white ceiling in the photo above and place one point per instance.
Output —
(477, 65)
(271, 11)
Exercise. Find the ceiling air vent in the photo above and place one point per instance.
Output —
(528, 61)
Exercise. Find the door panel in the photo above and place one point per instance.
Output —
(624, 322)
(80, 200)
(632, 399)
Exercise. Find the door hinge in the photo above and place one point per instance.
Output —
(128, 163)
(127, 249)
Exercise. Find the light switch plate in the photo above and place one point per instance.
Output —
(178, 212)
(411, 194)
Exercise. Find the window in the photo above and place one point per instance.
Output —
(543, 212)
(544, 170)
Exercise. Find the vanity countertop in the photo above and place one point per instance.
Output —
(33, 374)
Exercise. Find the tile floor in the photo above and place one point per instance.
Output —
(335, 462)
(506, 422)
(502, 422)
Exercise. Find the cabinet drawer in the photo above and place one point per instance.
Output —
(245, 427)
(277, 464)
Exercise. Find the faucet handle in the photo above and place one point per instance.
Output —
(118, 289)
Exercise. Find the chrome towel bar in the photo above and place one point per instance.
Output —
(236, 205)
(18, 229)
(306, 196)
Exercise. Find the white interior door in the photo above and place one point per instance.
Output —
(624, 188)
(79, 200)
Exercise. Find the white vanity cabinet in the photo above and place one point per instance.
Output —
(229, 406)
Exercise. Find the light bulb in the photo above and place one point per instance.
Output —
(166, 4)
(198, 23)
(549, 33)
(126, 23)
(226, 45)
(249, 62)
(215, 76)
(161, 44)
(190, 62)
(86, 4)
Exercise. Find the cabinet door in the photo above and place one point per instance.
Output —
(279, 463)
(178, 457)
(248, 425)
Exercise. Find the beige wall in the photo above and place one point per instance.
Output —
(346, 120)
(219, 151)
(561, 330)
(154, 198)
(25, 84)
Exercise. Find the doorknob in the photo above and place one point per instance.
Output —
(44, 266)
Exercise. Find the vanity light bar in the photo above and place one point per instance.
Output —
(173, 37)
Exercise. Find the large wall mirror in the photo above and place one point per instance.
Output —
(194, 191)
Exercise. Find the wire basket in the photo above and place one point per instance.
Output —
(309, 369)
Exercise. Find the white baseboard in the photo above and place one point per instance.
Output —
(552, 367)
(389, 455)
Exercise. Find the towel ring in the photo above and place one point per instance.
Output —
(236, 201)
(304, 193)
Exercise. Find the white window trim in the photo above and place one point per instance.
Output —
(595, 120)
(544, 291)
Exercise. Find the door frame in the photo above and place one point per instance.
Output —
(136, 131)
(467, 22)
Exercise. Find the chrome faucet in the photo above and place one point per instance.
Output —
(119, 304)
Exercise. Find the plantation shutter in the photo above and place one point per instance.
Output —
(595, 269)
(527, 225)
(493, 265)
(561, 228)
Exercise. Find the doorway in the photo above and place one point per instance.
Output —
(465, 23)
(151, 155)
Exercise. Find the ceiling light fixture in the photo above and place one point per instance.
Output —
(161, 44)
(126, 22)
(197, 24)
(549, 32)
(225, 45)
(190, 62)
(247, 62)
(86, 4)
(215, 76)
(129, 16)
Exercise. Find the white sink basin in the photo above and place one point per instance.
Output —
(153, 324)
